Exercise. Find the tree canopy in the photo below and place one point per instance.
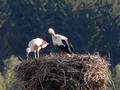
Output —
(91, 25)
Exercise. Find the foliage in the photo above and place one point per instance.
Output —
(8, 80)
(2, 83)
(116, 76)
(92, 24)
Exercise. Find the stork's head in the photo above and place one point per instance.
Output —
(51, 31)
(28, 50)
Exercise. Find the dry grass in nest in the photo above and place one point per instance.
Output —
(55, 72)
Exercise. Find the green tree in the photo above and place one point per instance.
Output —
(9, 75)
(116, 76)
(2, 82)
(92, 22)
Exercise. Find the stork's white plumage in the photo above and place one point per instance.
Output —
(35, 45)
(61, 41)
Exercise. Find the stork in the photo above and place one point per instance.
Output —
(35, 45)
(61, 42)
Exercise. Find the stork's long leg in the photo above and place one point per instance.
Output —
(61, 52)
(35, 54)
(27, 55)
(38, 53)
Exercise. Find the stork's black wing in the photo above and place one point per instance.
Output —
(71, 47)
(64, 43)
(66, 46)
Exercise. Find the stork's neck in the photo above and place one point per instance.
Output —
(53, 35)
(53, 39)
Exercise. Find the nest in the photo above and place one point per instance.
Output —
(56, 72)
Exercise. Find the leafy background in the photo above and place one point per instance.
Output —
(91, 25)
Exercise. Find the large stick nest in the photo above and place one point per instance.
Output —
(55, 72)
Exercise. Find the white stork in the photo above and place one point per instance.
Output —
(61, 42)
(35, 45)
